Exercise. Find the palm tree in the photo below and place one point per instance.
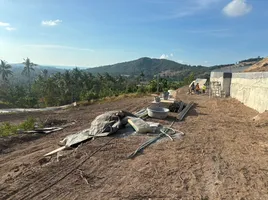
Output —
(28, 67)
(5, 70)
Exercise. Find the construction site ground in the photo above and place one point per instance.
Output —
(223, 155)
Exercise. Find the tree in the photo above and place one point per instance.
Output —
(187, 80)
(28, 67)
(45, 73)
(5, 70)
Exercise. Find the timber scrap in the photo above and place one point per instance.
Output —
(183, 113)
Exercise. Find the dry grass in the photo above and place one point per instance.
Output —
(111, 99)
(261, 66)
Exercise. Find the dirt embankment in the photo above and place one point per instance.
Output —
(222, 156)
(261, 66)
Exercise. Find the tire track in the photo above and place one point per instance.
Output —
(26, 193)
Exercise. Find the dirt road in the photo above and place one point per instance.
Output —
(224, 155)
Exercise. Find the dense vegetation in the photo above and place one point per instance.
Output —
(73, 85)
(150, 67)
(30, 85)
(132, 69)
(252, 59)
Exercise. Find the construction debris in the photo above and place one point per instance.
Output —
(43, 130)
(168, 132)
(55, 151)
(139, 125)
(46, 130)
(102, 126)
(185, 111)
(177, 106)
(142, 113)
(158, 112)
(113, 121)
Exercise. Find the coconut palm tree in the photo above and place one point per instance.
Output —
(5, 70)
(28, 67)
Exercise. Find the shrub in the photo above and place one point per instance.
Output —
(7, 129)
(28, 124)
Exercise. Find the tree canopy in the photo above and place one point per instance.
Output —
(77, 85)
(5, 70)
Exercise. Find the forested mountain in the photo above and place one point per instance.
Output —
(150, 67)
(146, 66)
(32, 85)
(169, 69)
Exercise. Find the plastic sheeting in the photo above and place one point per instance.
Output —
(200, 81)
(103, 125)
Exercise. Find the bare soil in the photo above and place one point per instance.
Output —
(261, 66)
(223, 155)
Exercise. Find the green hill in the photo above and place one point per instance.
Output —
(150, 67)
(167, 68)
(147, 66)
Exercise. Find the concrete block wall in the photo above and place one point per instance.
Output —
(224, 78)
(217, 77)
(251, 89)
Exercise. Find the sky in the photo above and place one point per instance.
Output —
(89, 33)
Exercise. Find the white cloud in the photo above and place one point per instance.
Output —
(237, 8)
(164, 56)
(180, 61)
(51, 22)
(4, 24)
(9, 28)
(52, 46)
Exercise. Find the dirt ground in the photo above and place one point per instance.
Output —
(261, 66)
(223, 155)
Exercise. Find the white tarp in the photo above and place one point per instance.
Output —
(103, 125)
(200, 81)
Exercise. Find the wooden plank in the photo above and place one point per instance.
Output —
(55, 151)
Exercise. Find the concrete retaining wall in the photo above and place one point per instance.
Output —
(251, 89)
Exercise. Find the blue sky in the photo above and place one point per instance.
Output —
(99, 32)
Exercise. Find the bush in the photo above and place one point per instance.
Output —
(89, 95)
(28, 124)
(5, 105)
(141, 89)
(7, 129)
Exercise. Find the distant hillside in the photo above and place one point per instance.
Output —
(150, 67)
(238, 67)
(261, 66)
(167, 68)
(18, 77)
(147, 66)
